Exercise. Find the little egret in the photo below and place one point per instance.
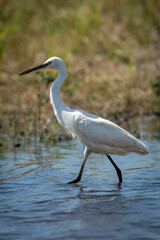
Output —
(98, 135)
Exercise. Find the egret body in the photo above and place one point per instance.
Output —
(98, 135)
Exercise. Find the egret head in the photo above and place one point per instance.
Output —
(53, 62)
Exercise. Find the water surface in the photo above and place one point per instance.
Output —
(37, 203)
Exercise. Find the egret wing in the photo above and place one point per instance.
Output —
(98, 131)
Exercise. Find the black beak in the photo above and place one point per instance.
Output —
(34, 68)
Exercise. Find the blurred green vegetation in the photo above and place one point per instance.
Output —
(155, 86)
(111, 49)
(72, 27)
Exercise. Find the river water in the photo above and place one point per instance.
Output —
(37, 203)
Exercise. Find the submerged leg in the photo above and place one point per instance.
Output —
(86, 155)
(117, 169)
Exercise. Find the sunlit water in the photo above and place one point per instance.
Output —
(37, 203)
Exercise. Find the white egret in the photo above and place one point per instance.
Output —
(98, 135)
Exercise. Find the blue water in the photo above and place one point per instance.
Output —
(37, 203)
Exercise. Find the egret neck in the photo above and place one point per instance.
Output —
(60, 109)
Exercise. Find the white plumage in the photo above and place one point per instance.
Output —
(97, 134)
(103, 136)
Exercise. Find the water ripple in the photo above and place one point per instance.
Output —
(37, 203)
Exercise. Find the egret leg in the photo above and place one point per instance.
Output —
(117, 169)
(86, 155)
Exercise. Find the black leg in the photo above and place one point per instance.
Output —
(86, 155)
(80, 173)
(117, 169)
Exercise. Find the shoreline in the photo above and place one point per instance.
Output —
(16, 136)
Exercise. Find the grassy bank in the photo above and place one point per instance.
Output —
(111, 49)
